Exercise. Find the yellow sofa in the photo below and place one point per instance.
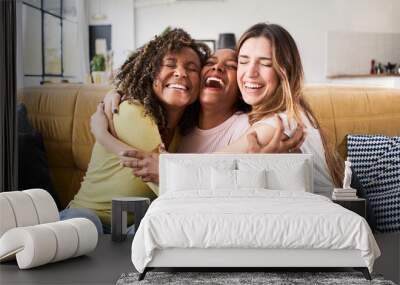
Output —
(62, 112)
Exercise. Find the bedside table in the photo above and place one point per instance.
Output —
(357, 205)
(119, 210)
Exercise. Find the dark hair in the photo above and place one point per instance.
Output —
(240, 105)
(288, 96)
(136, 76)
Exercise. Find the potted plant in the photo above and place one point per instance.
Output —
(98, 67)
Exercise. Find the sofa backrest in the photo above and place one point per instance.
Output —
(355, 110)
(62, 114)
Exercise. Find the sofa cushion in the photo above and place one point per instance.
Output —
(362, 193)
(82, 139)
(376, 161)
(33, 169)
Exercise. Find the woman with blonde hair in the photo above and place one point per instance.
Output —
(270, 77)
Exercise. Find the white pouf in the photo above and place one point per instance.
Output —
(40, 244)
(31, 232)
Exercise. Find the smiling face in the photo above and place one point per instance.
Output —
(178, 82)
(256, 76)
(218, 80)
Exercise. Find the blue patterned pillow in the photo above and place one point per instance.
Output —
(376, 161)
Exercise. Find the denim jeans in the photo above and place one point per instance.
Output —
(71, 213)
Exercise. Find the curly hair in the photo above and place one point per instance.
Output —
(136, 76)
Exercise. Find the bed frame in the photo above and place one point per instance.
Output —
(233, 257)
(240, 259)
(245, 259)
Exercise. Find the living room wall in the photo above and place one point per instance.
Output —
(136, 21)
(120, 14)
(308, 20)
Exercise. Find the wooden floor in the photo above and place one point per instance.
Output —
(389, 262)
(102, 266)
(110, 260)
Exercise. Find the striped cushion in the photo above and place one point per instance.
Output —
(376, 161)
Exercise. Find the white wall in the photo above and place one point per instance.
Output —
(71, 49)
(32, 40)
(356, 50)
(307, 20)
(120, 14)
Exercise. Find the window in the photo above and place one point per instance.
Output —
(49, 36)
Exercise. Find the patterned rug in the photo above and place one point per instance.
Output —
(243, 278)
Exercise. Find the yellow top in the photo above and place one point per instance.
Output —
(106, 178)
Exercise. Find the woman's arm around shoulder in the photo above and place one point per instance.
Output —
(267, 138)
(99, 128)
(264, 135)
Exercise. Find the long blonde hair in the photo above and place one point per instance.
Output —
(288, 97)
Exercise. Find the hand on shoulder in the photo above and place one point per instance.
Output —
(266, 139)
(111, 106)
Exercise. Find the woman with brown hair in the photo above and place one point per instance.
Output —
(270, 77)
(160, 80)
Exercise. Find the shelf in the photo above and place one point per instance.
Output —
(344, 76)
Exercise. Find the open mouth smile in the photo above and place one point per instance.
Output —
(177, 86)
(252, 86)
(214, 82)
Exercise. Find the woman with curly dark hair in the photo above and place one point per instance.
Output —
(160, 80)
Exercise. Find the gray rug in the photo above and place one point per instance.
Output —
(270, 278)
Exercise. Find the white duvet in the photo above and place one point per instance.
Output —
(254, 218)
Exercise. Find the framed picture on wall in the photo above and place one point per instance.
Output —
(210, 43)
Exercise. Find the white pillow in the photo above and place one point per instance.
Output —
(236, 179)
(281, 175)
(187, 176)
(183, 178)
(251, 178)
(292, 179)
(223, 179)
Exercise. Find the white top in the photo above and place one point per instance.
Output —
(323, 183)
(212, 140)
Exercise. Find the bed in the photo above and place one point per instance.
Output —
(247, 210)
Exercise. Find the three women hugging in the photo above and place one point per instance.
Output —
(172, 94)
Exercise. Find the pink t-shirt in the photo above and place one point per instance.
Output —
(212, 140)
